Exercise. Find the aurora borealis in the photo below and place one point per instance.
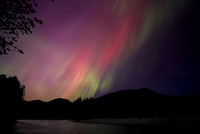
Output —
(86, 48)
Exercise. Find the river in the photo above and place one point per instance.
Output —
(71, 127)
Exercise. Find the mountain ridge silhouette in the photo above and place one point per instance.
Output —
(115, 92)
(126, 103)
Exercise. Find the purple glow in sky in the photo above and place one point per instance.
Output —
(86, 48)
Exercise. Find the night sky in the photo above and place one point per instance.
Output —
(87, 48)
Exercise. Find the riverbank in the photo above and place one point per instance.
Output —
(145, 121)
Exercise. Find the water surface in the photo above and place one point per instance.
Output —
(70, 127)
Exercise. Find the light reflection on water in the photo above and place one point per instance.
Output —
(69, 127)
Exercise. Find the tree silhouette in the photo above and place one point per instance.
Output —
(11, 95)
(16, 18)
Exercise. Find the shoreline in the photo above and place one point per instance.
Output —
(144, 121)
(132, 121)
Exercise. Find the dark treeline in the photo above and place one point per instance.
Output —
(127, 103)
(121, 104)
(11, 98)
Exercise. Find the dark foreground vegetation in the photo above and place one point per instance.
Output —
(11, 98)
